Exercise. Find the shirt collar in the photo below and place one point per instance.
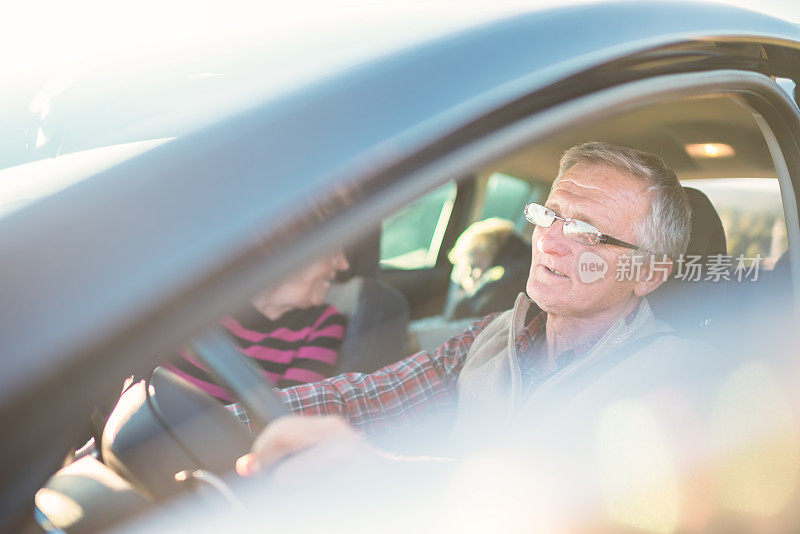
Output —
(533, 339)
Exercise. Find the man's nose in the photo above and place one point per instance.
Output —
(340, 261)
(551, 240)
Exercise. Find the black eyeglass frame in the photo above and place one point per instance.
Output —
(602, 239)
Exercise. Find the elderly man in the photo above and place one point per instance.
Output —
(607, 205)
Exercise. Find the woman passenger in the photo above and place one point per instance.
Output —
(289, 332)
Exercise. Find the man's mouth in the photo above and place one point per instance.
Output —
(555, 272)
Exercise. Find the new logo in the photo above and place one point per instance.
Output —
(591, 267)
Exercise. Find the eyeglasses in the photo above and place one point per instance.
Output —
(579, 231)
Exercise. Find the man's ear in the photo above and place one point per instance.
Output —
(653, 275)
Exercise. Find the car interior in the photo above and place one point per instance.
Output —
(748, 219)
(399, 295)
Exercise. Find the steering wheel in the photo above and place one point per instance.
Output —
(105, 494)
(216, 350)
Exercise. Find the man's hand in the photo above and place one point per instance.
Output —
(324, 440)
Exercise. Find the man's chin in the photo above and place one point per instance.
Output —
(546, 307)
(546, 300)
(539, 298)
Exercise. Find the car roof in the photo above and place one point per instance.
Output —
(82, 265)
(174, 82)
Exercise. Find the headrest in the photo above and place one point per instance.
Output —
(708, 235)
(363, 257)
(515, 249)
(344, 296)
(689, 305)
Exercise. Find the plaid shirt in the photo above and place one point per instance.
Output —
(421, 385)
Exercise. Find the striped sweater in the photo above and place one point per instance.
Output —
(301, 346)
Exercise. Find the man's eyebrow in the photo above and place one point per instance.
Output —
(580, 216)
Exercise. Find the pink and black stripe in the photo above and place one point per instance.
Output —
(300, 346)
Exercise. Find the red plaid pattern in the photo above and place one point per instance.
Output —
(400, 395)
(394, 397)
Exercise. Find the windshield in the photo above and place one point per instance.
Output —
(87, 74)
(86, 93)
(140, 71)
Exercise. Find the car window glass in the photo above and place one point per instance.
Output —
(787, 85)
(505, 197)
(751, 213)
(412, 237)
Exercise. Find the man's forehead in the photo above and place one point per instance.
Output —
(599, 175)
(597, 194)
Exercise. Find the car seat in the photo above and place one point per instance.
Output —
(690, 306)
(759, 312)
(377, 314)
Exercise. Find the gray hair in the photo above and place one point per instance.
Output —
(666, 227)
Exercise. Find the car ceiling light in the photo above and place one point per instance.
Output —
(710, 150)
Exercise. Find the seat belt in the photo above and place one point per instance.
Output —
(573, 385)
